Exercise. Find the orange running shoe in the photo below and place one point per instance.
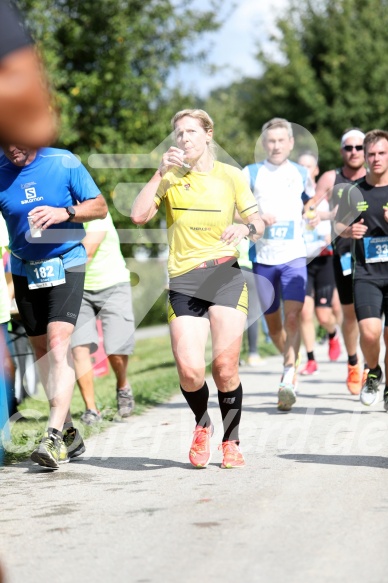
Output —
(200, 453)
(233, 458)
(364, 376)
(354, 380)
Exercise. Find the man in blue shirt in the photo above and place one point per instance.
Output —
(45, 196)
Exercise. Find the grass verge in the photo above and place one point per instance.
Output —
(154, 379)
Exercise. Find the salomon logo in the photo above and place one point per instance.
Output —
(30, 192)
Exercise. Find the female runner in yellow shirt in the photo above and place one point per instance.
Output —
(207, 291)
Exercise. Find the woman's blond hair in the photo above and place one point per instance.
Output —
(205, 120)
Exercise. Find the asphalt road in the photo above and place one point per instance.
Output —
(310, 505)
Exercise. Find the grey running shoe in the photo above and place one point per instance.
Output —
(125, 401)
(50, 452)
(74, 442)
(286, 397)
(370, 390)
(90, 417)
(64, 457)
(386, 399)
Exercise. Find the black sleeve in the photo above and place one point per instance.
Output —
(13, 35)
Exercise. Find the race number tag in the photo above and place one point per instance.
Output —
(45, 273)
(376, 249)
(346, 263)
(280, 231)
(315, 243)
(310, 237)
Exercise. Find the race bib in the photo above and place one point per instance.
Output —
(315, 243)
(346, 263)
(311, 237)
(45, 273)
(280, 231)
(376, 249)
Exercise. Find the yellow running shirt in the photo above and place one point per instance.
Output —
(200, 205)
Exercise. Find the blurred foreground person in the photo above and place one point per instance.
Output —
(26, 110)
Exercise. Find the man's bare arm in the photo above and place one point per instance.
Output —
(92, 241)
(324, 188)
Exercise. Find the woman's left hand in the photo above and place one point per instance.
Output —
(234, 234)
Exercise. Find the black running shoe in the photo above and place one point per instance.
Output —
(386, 399)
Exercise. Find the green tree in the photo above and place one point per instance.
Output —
(231, 134)
(108, 61)
(327, 70)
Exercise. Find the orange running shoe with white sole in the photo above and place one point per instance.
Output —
(200, 453)
(233, 458)
(354, 380)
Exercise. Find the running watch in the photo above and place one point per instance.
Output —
(252, 229)
(71, 212)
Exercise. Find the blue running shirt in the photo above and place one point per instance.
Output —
(55, 178)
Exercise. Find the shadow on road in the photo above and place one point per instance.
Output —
(133, 464)
(340, 460)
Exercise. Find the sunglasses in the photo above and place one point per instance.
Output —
(351, 148)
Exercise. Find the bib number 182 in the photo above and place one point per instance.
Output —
(44, 272)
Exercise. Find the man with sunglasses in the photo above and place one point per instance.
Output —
(362, 217)
(331, 185)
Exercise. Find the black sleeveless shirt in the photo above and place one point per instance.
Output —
(340, 245)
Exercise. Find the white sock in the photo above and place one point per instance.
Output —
(288, 375)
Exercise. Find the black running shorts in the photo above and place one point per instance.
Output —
(61, 303)
(343, 282)
(320, 281)
(193, 293)
(371, 299)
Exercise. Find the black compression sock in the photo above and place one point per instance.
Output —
(310, 356)
(352, 359)
(197, 401)
(376, 371)
(230, 406)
